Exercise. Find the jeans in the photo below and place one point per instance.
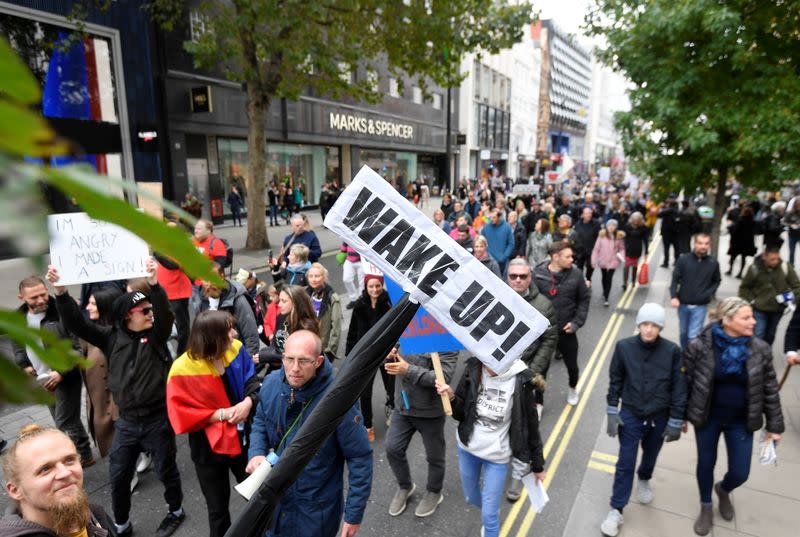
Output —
(568, 346)
(691, 318)
(273, 215)
(766, 324)
(739, 444)
(152, 434)
(487, 498)
(236, 216)
(67, 412)
(793, 240)
(196, 300)
(401, 431)
(669, 241)
(633, 433)
(215, 482)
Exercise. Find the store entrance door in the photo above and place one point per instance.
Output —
(197, 173)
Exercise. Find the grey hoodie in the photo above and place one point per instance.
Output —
(234, 300)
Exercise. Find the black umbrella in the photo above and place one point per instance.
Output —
(358, 369)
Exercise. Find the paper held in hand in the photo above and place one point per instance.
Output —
(537, 494)
(86, 250)
(492, 321)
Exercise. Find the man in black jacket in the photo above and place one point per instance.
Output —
(563, 283)
(40, 311)
(587, 230)
(537, 357)
(138, 364)
(669, 230)
(695, 280)
(646, 377)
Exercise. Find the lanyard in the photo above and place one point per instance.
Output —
(294, 423)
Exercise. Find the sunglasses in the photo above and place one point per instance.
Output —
(519, 276)
(145, 311)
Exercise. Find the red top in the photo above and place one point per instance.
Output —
(176, 284)
(204, 247)
(270, 318)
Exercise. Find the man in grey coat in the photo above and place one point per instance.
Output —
(235, 300)
(418, 408)
(537, 357)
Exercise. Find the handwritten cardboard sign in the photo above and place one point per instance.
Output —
(87, 250)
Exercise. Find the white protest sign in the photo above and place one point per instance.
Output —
(521, 190)
(494, 322)
(87, 250)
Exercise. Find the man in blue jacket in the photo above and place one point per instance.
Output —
(313, 505)
(646, 405)
(500, 237)
(302, 234)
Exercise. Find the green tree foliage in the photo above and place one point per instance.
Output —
(715, 90)
(280, 48)
(23, 215)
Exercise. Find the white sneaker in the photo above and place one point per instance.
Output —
(143, 464)
(643, 492)
(610, 526)
(134, 481)
(572, 397)
(539, 410)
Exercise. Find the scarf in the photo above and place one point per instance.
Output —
(734, 351)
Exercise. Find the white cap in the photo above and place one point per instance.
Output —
(651, 313)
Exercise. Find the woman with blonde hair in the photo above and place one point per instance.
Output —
(732, 389)
(608, 252)
(328, 308)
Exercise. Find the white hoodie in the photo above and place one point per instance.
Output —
(490, 438)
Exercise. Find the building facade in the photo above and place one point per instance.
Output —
(309, 142)
(603, 147)
(567, 71)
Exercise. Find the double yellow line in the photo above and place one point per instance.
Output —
(585, 386)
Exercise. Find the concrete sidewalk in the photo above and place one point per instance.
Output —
(768, 505)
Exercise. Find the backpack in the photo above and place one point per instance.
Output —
(228, 252)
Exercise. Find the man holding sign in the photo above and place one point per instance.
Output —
(418, 408)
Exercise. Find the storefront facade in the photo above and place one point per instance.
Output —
(310, 141)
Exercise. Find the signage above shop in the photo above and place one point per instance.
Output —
(201, 99)
(362, 125)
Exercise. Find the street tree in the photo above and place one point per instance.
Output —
(281, 48)
(715, 93)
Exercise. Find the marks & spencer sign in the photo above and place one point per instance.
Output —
(355, 124)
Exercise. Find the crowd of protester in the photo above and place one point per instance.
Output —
(238, 367)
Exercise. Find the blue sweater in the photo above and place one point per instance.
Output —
(500, 239)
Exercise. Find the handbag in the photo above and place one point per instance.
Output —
(644, 274)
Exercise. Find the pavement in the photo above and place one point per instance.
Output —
(767, 505)
(580, 456)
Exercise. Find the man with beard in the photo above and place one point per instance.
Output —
(44, 478)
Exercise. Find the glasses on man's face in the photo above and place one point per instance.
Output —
(144, 311)
(304, 362)
(518, 276)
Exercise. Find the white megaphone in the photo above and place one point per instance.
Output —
(249, 486)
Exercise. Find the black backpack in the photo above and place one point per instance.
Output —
(228, 253)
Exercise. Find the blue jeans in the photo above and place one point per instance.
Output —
(691, 320)
(793, 240)
(739, 444)
(632, 433)
(273, 215)
(487, 498)
(766, 324)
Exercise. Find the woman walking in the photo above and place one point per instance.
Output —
(607, 254)
(636, 236)
(212, 391)
(732, 388)
(497, 419)
(101, 410)
(539, 242)
(373, 304)
(328, 308)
